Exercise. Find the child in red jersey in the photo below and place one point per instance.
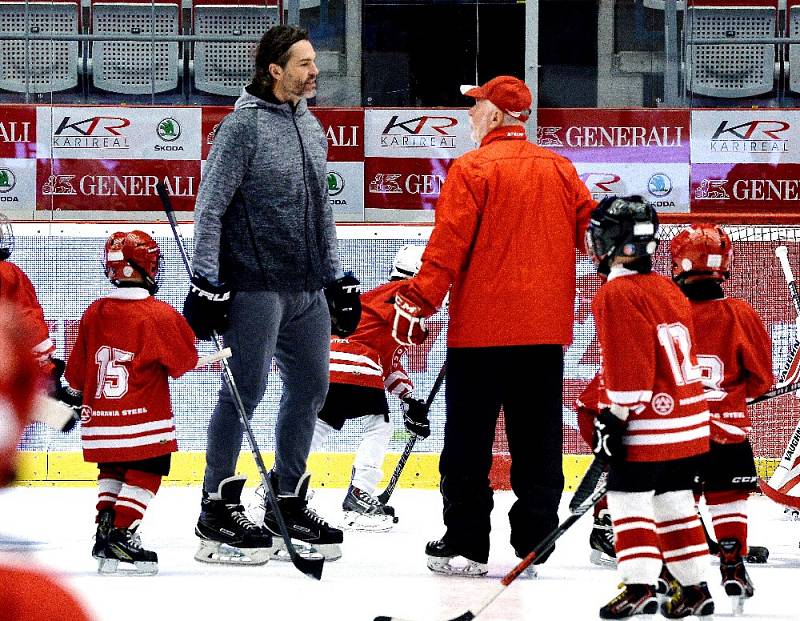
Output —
(128, 344)
(653, 425)
(735, 355)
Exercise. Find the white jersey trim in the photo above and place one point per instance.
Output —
(124, 430)
(108, 443)
(656, 439)
(652, 424)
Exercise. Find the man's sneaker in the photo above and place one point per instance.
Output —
(226, 534)
(364, 512)
(667, 585)
(601, 541)
(442, 559)
(693, 600)
(105, 522)
(635, 599)
(124, 546)
(303, 524)
(735, 580)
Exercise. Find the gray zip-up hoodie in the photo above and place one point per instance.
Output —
(262, 217)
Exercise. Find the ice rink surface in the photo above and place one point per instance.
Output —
(379, 573)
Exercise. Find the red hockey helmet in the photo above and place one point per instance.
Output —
(703, 249)
(131, 256)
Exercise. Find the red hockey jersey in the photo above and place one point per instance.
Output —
(644, 326)
(16, 289)
(370, 356)
(735, 355)
(128, 342)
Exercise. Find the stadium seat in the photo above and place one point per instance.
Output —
(127, 66)
(793, 31)
(736, 70)
(224, 68)
(50, 65)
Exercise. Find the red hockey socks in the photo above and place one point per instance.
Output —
(681, 536)
(109, 482)
(729, 516)
(137, 491)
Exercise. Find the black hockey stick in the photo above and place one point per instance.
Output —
(547, 543)
(383, 497)
(311, 567)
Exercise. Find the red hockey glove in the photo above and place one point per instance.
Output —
(409, 321)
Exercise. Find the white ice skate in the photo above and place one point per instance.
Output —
(363, 512)
(443, 560)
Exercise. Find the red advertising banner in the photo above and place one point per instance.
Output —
(750, 188)
(344, 128)
(403, 183)
(18, 132)
(596, 135)
(211, 118)
(115, 185)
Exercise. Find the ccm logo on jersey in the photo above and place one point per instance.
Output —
(214, 297)
(744, 479)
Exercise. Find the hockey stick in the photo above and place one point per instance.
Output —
(206, 360)
(383, 497)
(547, 543)
(588, 483)
(311, 567)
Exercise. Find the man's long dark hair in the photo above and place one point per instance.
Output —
(274, 49)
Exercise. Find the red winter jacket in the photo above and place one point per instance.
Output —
(508, 221)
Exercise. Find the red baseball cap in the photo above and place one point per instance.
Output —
(508, 93)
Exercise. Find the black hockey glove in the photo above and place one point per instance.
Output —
(74, 400)
(415, 417)
(206, 307)
(607, 443)
(54, 389)
(344, 302)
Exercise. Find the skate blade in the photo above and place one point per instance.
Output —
(737, 605)
(113, 567)
(461, 567)
(599, 558)
(352, 520)
(223, 554)
(329, 552)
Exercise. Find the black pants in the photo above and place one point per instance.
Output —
(526, 381)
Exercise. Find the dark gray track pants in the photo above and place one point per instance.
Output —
(295, 328)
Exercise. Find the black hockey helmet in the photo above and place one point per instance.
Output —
(623, 226)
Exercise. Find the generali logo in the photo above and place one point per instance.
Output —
(384, 183)
(14, 131)
(712, 189)
(420, 131)
(96, 132)
(759, 136)
(116, 185)
(342, 135)
(601, 184)
(617, 136)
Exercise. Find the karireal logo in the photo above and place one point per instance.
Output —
(420, 131)
(548, 137)
(712, 189)
(168, 130)
(659, 185)
(760, 136)
(601, 184)
(7, 180)
(97, 132)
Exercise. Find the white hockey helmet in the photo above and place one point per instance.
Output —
(407, 261)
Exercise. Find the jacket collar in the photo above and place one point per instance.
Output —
(620, 270)
(129, 293)
(508, 132)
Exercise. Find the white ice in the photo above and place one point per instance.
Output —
(379, 574)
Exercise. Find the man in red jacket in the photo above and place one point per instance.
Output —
(508, 221)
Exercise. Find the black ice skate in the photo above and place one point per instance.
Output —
(735, 580)
(635, 600)
(693, 600)
(364, 512)
(304, 525)
(442, 559)
(105, 522)
(124, 546)
(601, 541)
(227, 535)
(667, 585)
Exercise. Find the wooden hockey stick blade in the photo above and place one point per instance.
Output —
(53, 413)
(206, 360)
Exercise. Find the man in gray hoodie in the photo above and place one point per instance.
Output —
(265, 258)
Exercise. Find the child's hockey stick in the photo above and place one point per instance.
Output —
(538, 551)
(311, 567)
(383, 497)
(206, 360)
